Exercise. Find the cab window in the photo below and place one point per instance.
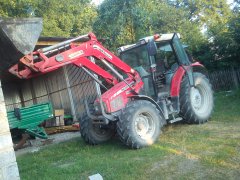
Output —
(165, 57)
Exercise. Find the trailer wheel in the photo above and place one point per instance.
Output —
(139, 124)
(95, 133)
(196, 103)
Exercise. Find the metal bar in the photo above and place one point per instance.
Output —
(64, 43)
(92, 76)
(93, 117)
(96, 83)
(117, 73)
(112, 69)
(55, 50)
(107, 116)
(70, 94)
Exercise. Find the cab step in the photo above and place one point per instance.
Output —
(175, 120)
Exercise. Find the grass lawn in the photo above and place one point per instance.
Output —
(208, 151)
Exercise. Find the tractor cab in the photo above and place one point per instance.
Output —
(156, 58)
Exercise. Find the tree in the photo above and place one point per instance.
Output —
(125, 21)
(115, 20)
(204, 11)
(11, 8)
(60, 17)
(220, 25)
(66, 18)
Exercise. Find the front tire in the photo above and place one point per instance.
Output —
(94, 134)
(139, 124)
(196, 103)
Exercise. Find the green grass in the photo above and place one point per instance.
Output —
(208, 151)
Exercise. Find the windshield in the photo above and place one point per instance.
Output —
(165, 57)
(136, 57)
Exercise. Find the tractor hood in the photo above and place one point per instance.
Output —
(18, 37)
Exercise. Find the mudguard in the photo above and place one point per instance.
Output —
(178, 76)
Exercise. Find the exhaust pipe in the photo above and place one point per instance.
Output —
(18, 37)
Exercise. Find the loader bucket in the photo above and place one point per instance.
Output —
(18, 37)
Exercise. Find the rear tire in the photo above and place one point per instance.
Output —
(196, 103)
(139, 124)
(94, 133)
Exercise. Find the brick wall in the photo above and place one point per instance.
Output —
(8, 164)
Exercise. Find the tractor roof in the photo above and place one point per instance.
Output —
(156, 37)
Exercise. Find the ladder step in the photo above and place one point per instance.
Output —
(175, 120)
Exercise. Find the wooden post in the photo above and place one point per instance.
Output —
(235, 79)
(21, 95)
(8, 164)
(33, 92)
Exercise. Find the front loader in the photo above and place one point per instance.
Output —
(155, 83)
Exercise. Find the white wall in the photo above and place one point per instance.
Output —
(8, 164)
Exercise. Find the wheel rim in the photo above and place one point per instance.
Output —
(200, 99)
(196, 98)
(145, 126)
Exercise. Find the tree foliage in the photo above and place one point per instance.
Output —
(220, 24)
(60, 17)
(210, 28)
(125, 21)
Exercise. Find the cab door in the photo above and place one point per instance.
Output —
(180, 51)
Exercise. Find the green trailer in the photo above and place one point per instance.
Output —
(27, 119)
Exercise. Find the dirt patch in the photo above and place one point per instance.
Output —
(36, 144)
(184, 166)
(162, 164)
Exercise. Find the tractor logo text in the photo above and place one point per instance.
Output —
(76, 54)
(102, 51)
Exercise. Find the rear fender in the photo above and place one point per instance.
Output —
(197, 67)
(178, 76)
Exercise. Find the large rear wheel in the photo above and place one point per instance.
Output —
(139, 124)
(196, 103)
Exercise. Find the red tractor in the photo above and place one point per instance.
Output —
(175, 89)
(155, 83)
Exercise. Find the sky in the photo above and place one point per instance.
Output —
(97, 2)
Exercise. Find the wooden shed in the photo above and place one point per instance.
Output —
(65, 88)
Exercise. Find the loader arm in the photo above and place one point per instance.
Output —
(51, 58)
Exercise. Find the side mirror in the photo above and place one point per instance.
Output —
(151, 47)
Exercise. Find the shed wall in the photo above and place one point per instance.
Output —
(52, 87)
